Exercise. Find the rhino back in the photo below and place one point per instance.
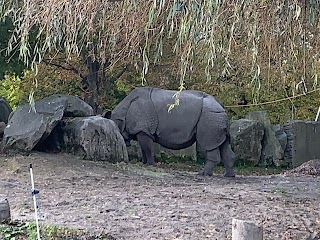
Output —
(177, 127)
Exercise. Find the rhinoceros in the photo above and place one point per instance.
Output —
(5, 110)
(143, 116)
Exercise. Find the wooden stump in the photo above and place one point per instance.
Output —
(4, 211)
(246, 230)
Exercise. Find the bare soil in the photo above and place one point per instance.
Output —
(132, 201)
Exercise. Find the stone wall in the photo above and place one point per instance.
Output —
(303, 141)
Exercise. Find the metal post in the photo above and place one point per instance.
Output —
(35, 203)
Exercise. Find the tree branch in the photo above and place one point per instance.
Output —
(104, 68)
(119, 74)
(71, 68)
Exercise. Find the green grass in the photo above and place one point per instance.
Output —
(27, 231)
(241, 167)
(253, 171)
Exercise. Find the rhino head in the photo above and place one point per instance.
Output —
(120, 122)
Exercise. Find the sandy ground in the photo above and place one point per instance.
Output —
(135, 202)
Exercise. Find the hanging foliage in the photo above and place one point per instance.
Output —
(210, 31)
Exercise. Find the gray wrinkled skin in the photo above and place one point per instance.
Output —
(143, 116)
(5, 110)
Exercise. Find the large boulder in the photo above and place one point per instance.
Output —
(72, 106)
(5, 110)
(28, 127)
(246, 136)
(95, 138)
(280, 135)
(272, 152)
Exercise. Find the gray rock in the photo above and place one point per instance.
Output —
(72, 106)
(27, 128)
(95, 138)
(5, 110)
(280, 135)
(246, 136)
(272, 152)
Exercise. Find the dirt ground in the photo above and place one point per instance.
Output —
(135, 202)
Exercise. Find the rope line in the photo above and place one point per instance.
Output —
(34, 191)
(275, 101)
(16, 184)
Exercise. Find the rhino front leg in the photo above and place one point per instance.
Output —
(144, 157)
(146, 144)
(212, 160)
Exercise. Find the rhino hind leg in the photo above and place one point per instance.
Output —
(228, 158)
(213, 158)
(146, 144)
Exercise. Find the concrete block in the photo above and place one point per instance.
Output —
(303, 141)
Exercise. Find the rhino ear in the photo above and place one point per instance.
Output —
(107, 114)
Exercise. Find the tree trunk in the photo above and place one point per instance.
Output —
(245, 230)
(93, 83)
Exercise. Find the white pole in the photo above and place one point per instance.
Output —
(317, 114)
(246, 230)
(35, 203)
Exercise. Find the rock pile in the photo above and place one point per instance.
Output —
(66, 123)
(62, 122)
(254, 139)
(311, 168)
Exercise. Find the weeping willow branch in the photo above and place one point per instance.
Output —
(230, 34)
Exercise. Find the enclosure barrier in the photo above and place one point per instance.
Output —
(5, 215)
(246, 230)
